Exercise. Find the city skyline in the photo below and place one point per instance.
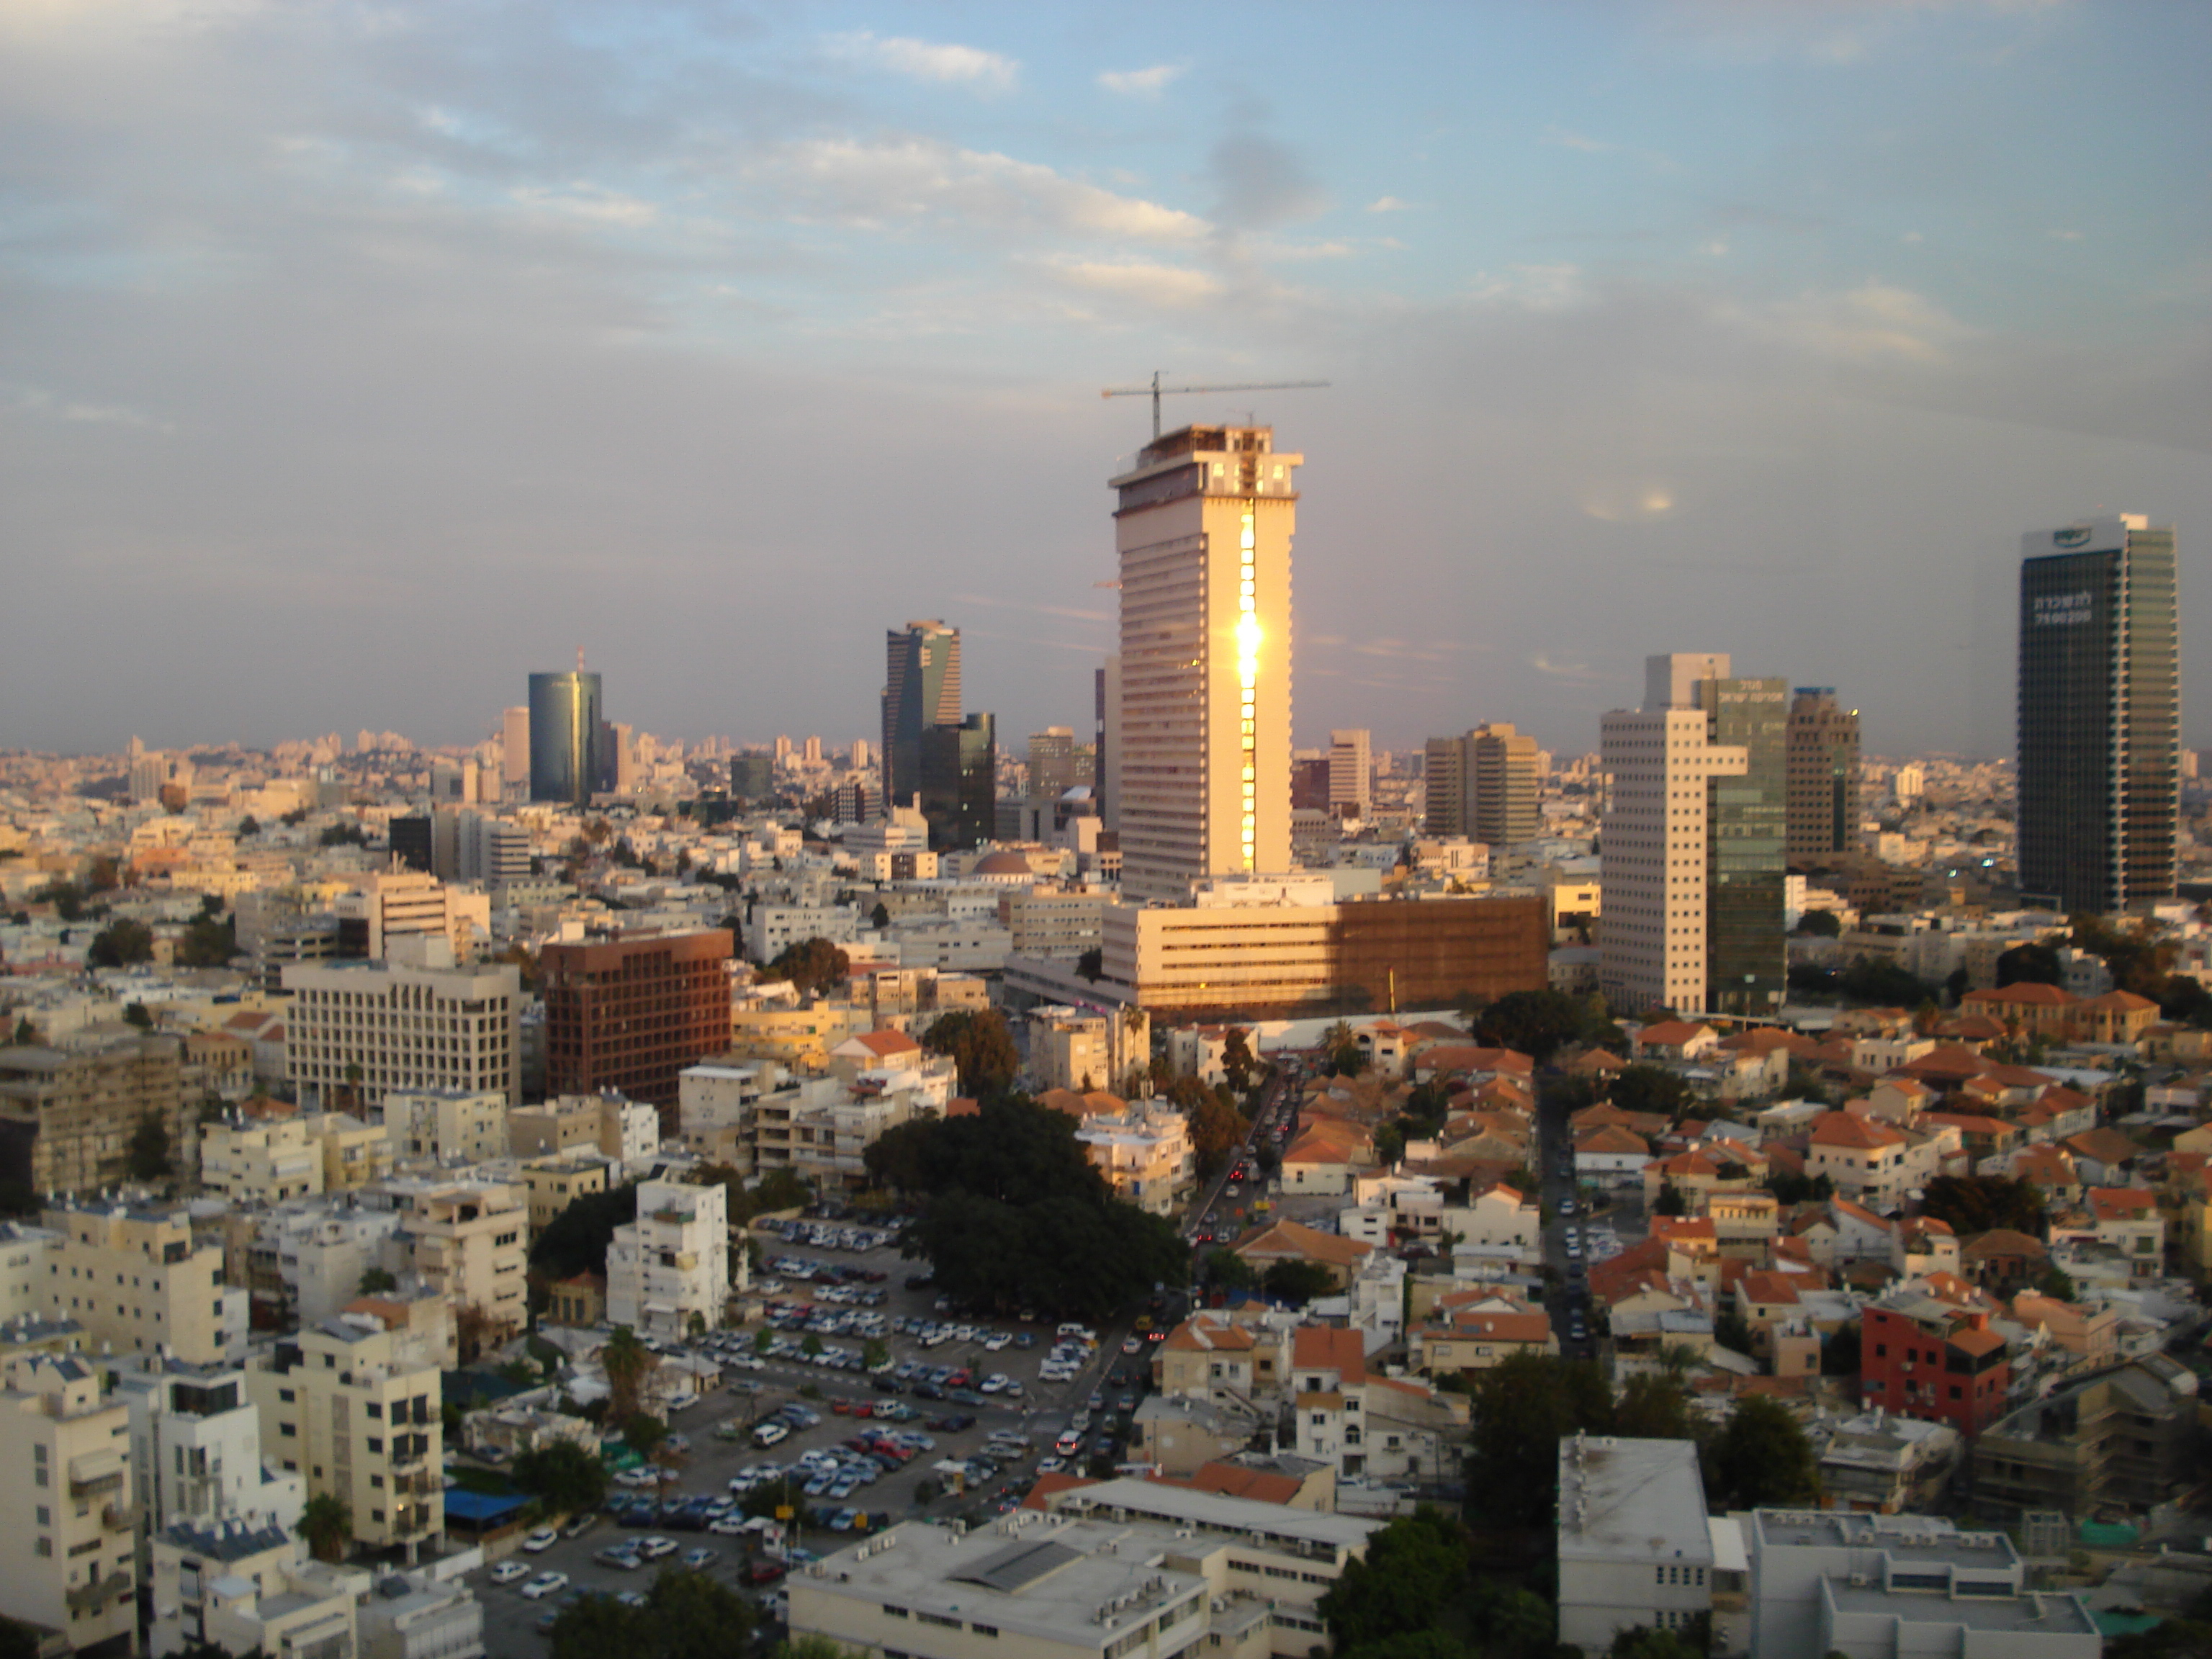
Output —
(1749, 318)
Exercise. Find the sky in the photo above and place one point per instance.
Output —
(358, 359)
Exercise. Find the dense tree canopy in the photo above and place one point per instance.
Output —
(814, 966)
(1975, 1204)
(1645, 1088)
(1876, 981)
(1762, 1458)
(1297, 1282)
(2030, 963)
(1237, 1063)
(1417, 1567)
(120, 945)
(981, 1048)
(563, 1476)
(208, 942)
(686, 1615)
(576, 1241)
(1522, 1409)
(1019, 1217)
(1537, 1024)
(1217, 1128)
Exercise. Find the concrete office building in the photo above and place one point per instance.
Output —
(1203, 525)
(1823, 789)
(1055, 765)
(565, 722)
(921, 688)
(2099, 777)
(1483, 785)
(1445, 777)
(515, 752)
(69, 1555)
(1351, 774)
(1692, 866)
(356, 1032)
(630, 1014)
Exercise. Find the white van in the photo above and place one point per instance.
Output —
(1077, 1332)
(768, 1434)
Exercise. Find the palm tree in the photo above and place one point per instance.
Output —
(627, 1362)
(326, 1522)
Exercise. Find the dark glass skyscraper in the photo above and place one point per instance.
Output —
(1745, 851)
(2099, 775)
(566, 760)
(959, 789)
(1823, 774)
(921, 688)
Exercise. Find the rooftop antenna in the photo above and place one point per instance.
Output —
(1156, 391)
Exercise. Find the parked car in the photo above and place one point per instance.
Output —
(540, 1541)
(546, 1583)
(508, 1572)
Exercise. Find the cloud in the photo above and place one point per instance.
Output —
(1172, 287)
(889, 181)
(1539, 288)
(928, 60)
(590, 204)
(1144, 82)
(1873, 322)
(1262, 182)
(1069, 612)
(1567, 140)
(1389, 204)
(38, 402)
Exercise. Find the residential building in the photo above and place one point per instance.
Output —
(1922, 1356)
(417, 1615)
(356, 1032)
(67, 1117)
(2099, 775)
(567, 747)
(1876, 1464)
(2125, 1438)
(671, 1268)
(447, 1125)
(466, 1240)
(1145, 1152)
(260, 1160)
(1203, 525)
(69, 1555)
(1373, 1428)
(353, 1404)
(139, 1283)
(1823, 774)
(921, 688)
(553, 1183)
(1874, 1586)
(799, 1035)
(630, 1012)
(242, 1585)
(1636, 1547)
(196, 1447)
(1085, 1048)
(391, 904)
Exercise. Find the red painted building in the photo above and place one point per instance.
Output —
(1920, 1357)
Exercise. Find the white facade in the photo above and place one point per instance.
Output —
(1350, 773)
(370, 1028)
(445, 1124)
(196, 1448)
(1653, 856)
(671, 1264)
(1636, 1546)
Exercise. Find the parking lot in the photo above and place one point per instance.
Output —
(952, 1395)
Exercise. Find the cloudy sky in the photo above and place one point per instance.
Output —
(356, 359)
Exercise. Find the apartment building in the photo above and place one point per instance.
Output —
(305, 1265)
(2125, 1438)
(715, 1105)
(356, 1032)
(443, 1125)
(248, 1161)
(797, 1035)
(138, 1283)
(1086, 1048)
(352, 1404)
(196, 1448)
(69, 1555)
(1636, 1545)
(552, 1184)
(823, 1127)
(624, 1131)
(67, 1115)
(1370, 1428)
(671, 1268)
(249, 1586)
(630, 1014)
(1145, 1152)
(1921, 1356)
(389, 905)
(466, 1240)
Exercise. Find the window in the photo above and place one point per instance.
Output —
(375, 1408)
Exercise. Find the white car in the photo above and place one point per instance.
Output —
(654, 1548)
(541, 1541)
(508, 1572)
(545, 1584)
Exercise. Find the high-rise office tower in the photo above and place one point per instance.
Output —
(811, 751)
(565, 760)
(514, 751)
(921, 688)
(1503, 772)
(863, 754)
(1691, 859)
(1351, 774)
(959, 793)
(1106, 769)
(1052, 762)
(1446, 778)
(1203, 525)
(2099, 775)
(1824, 774)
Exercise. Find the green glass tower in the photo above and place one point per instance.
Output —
(1747, 845)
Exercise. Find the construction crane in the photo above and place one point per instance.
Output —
(1156, 391)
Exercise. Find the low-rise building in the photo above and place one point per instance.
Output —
(247, 1586)
(2126, 1438)
(465, 1239)
(552, 1184)
(138, 1282)
(249, 1161)
(196, 1448)
(414, 1615)
(68, 1553)
(1145, 1152)
(446, 1125)
(1636, 1547)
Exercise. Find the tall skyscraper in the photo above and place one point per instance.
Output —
(1203, 525)
(514, 751)
(1691, 862)
(2099, 777)
(921, 688)
(565, 720)
(1445, 783)
(1823, 774)
(1052, 762)
(959, 792)
(1351, 774)
(1503, 769)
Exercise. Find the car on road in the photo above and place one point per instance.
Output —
(543, 1539)
(508, 1572)
(1131, 1345)
(545, 1584)
(1068, 1444)
(701, 1558)
(763, 1571)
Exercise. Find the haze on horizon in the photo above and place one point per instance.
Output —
(356, 360)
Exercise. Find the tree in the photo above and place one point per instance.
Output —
(644, 1432)
(1653, 1407)
(326, 1522)
(1217, 1128)
(1230, 1271)
(880, 917)
(27, 1034)
(564, 1478)
(1537, 1024)
(1416, 1568)
(576, 1241)
(148, 1157)
(1647, 1088)
(343, 835)
(627, 1362)
(981, 1048)
(686, 1615)
(208, 942)
(138, 1014)
(1879, 983)
(2055, 1282)
(1092, 965)
(248, 826)
(2032, 963)
(1975, 1204)
(1236, 1059)
(1523, 1406)
(1763, 1460)
(17, 1640)
(1819, 924)
(1670, 1202)
(894, 1159)
(1297, 1282)
(376, 1281)
(120, 945)
(814, 966)
(1641, 1642)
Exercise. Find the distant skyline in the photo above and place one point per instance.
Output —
(357, 360)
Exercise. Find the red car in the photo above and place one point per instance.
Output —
(762, 1570)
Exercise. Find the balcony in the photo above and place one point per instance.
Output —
(120, 1518)
(92, 1597)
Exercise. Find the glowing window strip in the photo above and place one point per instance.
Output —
(1248, 680)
